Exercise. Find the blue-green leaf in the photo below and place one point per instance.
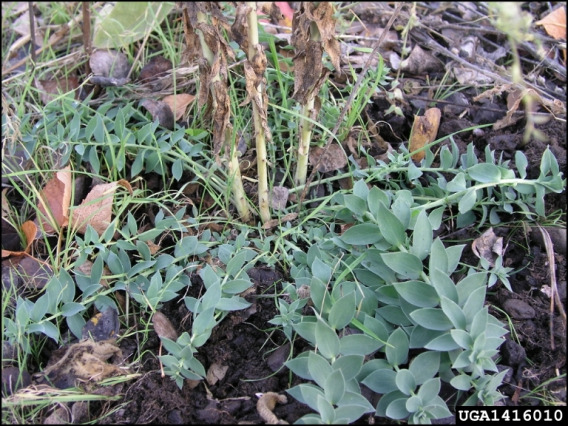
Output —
(362, 234)
(381, 381)
(425, 366)
(234, 303)
(358, 344)
(432, 319)
(342, 311)
(405, 381)
(454, 313)
(391, 228)
(485, 173)
(418, 293)
(327, 340)
(397, 409)
(71, 308)
(421, 236)
(407, 265)
(319, 368)
(236, 286)
(350, 365)
(334, 387)
(397, 348)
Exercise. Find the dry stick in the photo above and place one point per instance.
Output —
(87, 34)
(554, 297)
(349, 102)
(52, 40)
(432, 44)
(32, 30)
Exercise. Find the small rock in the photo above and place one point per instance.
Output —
(277, 358)
(174, 417)
(557, 237)
(519, 309)
(513, 353)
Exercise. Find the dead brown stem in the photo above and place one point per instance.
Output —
(349, 101)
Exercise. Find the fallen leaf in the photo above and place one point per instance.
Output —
(109, 67)
(161, 111)
(488, 246)
(514, 99)
(22, 26)
(34, 273)
(279, 197)
(96, 208)
(424, 131)
(54, 202)
(156, 73)
(157, 66)
(178, 104)
(275, 222)
(420, 62)
(216, 372)
(163, 326)
(51, 89)
(333, 159)
(555, 23)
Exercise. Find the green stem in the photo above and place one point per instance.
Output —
(239, 196)
(304, 146)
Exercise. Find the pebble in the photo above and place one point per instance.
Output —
(519, 309)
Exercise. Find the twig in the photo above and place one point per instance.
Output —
(349, 102)
(554, 297)
(87, 33)
(32, 31)
(429, 43)
(52, 40)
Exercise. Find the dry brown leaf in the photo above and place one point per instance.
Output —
(163, 326)
(322, 15)
(34, 273)
(51, 89)
(54, 201)
(216, 372)
(161, 111)
(488, 246)
(421, 62)
(279, 197)
(333, 159)
(156, 67)
(424, 131)
(109, 67)
(30, 232)
(96, 208)
(555, 23)
(514, 99)
(269, 224)
(178, 104)
(239, 29)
